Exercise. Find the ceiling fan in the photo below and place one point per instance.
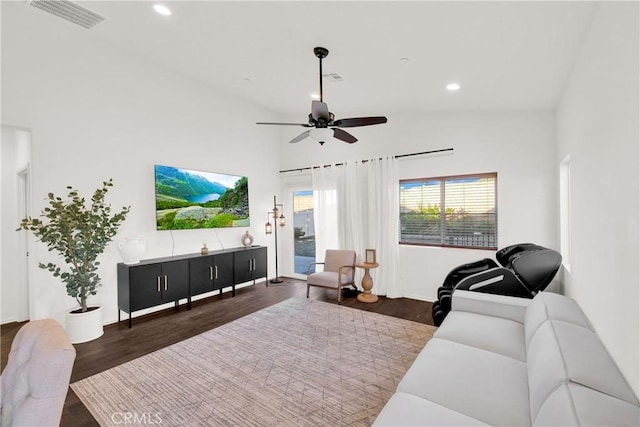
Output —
(323, 122)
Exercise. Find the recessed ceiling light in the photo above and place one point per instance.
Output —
(161, 9)
(452, 87)
(404, 60)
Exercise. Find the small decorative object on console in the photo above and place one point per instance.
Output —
(247, 239)
(204, 250)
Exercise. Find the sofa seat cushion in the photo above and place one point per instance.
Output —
(573, 404)
(495, 334)
(405, 409)
(480, 384)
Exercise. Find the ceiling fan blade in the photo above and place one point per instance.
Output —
(360, 121)
(320, 111)
(344, 136)
(300, 137)
(304, 125)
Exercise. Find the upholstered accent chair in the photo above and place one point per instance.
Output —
(36, 379)
(339, 271)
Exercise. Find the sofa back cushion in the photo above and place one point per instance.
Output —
(35, 382)
(572, 405)
(563, 351)
(549, 306)
(545, 367)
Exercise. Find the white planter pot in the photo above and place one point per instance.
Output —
(83, 327)
(131, 249)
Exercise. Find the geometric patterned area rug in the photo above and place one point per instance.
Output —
(297, 363)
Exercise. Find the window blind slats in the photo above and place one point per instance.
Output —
(467, 218)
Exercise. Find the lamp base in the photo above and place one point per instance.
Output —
(276, 280)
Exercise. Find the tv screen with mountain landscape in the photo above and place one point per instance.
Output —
(187, 199)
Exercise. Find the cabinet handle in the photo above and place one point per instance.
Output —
(166, 282)
(158, 277)
(210, 273)
(216, 276)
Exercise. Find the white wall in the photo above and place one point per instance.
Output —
(598, 126)
(519, 146)
(96, 112)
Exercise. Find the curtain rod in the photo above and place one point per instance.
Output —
(399, 156)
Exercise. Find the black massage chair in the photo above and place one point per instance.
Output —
(526, 270)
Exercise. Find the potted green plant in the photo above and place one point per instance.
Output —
(78, 232)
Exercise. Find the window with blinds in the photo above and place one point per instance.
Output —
(452, 211)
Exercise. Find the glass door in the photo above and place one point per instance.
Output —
(304, 238)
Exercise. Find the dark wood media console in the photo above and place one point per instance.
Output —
(158, 281)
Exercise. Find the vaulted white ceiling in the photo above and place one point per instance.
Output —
(506, 55)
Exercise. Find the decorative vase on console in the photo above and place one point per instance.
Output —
(247, 239)
(131, 250)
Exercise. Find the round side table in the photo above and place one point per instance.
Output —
(367, 283)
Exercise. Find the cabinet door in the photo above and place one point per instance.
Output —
(145, 286)
(223, 270)
(201, 274)
(175, 283)
(260, 264)
(243, 265)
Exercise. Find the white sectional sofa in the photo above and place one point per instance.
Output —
(506, 361)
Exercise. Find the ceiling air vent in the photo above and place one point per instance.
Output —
(70, 11)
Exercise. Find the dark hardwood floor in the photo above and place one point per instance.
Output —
(119, 344)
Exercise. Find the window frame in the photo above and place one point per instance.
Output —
(443, 179)
(565, 211)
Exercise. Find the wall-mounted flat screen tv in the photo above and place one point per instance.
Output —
(187, 199)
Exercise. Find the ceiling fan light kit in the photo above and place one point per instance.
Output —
(321, 134)
(323, 121)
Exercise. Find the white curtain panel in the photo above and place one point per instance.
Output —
(353, 212)
(357, 206)
(368, 217)
(325, 210)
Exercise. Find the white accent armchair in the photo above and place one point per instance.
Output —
(36, 379)
(339, 271)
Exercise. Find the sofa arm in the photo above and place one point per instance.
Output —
(507, 307)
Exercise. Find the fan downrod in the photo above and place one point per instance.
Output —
(321, 52)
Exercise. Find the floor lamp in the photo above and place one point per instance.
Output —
(278, 221)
